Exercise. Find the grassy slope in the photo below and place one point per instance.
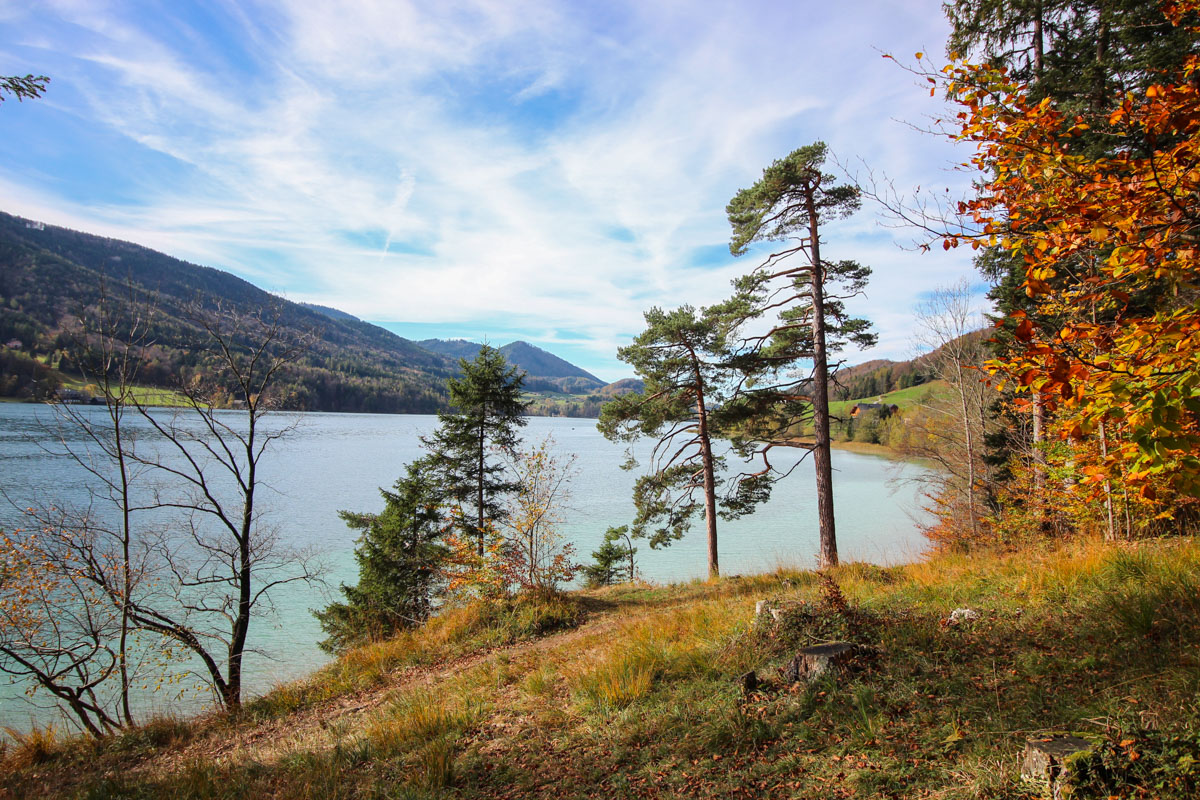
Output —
(641, 698)
(904, 398)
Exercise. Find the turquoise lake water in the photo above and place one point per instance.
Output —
(338, 461)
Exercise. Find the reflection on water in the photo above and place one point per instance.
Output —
(339, 461)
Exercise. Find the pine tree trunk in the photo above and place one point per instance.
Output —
(710, 484)
(821, 456)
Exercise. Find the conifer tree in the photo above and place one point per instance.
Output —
(399, 557)
(805, 321)
(486, 416)
(680, 357)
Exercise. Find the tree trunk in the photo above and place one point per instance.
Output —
(241, 623)
(828, 556)
(1110, 535)
(969, 441)
(1038, 41)
(710, 484)
(479, 498)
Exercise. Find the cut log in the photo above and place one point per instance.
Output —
(811, 663)
(1045, 757)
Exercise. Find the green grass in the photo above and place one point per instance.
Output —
(904, 398)
(642, 699)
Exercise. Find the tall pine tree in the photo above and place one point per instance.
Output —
(484, 423)
(805, 321)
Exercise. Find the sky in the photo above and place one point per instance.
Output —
(490, 169)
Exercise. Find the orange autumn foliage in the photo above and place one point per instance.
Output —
(1109, 246)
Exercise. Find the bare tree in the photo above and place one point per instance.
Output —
(222, 560)
(186, 558)
(950, 333)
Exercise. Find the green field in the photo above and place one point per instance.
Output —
(904, 398)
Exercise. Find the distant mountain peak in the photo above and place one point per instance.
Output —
(542, 368)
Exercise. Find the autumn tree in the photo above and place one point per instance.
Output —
(1106, 243)
(534, 555)
(1082, 57)
(467, 449)
(798, 297)
(680, 357)
(949, 429)
(59, 631)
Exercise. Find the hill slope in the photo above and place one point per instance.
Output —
(642, 695)
(48, 274)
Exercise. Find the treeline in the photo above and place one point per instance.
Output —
(25, 377)
(879, 377)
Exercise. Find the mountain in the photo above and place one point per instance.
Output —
(544, 371)
(49, 274)
(332, 313)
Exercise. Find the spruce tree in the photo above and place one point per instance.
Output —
(399, 555)
(486, 416)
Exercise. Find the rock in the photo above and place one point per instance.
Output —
(961, 616)
(811, 663)
(1045, 757)
(749, 682)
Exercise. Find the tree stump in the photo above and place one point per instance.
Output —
(761, 608)
(811, 663)
(1045, 757)
(749, 682)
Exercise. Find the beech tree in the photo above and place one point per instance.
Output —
(680, 358)
(1106, 247)
(466, 451)
(790, 293)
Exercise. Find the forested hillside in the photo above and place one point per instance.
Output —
(50, 276)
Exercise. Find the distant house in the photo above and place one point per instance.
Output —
(882, 409)
(73, 397)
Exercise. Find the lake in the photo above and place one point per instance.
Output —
(339, 461)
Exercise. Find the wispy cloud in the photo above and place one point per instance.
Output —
(530, 166)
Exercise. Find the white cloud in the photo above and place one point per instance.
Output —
(474, 161)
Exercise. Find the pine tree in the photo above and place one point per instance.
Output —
(680, 357)
(806, 321)
(484, 423)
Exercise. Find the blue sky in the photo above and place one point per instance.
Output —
(493, 169)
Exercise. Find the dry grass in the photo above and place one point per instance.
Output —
(642, 699)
